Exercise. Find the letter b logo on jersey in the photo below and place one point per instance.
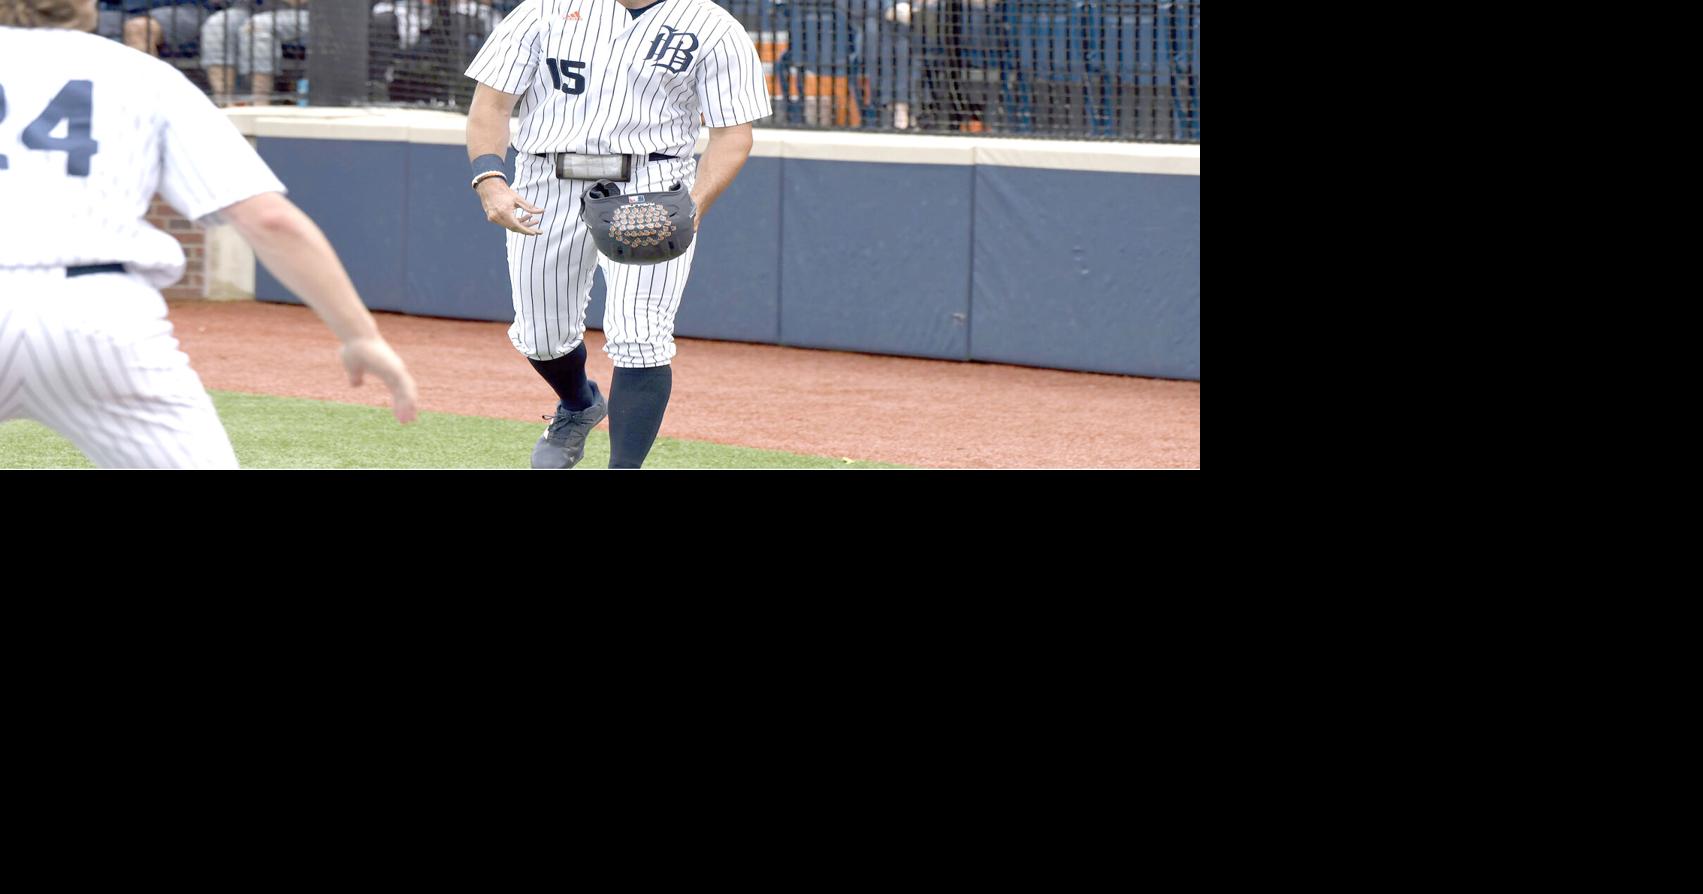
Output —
(672, 49)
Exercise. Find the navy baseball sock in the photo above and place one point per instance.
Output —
(637, 399)
(566, 374)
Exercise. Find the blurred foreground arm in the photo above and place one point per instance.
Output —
(297, 252)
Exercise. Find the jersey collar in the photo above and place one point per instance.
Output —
(635, 13)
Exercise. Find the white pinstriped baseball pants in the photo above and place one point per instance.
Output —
(94, 359)
(550, 274)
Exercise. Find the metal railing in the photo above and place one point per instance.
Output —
(1083, 69)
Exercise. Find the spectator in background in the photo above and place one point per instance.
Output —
(243, 41)
(885, 53)
(170, 28)
(420, 47)
(110, 20)
(959, 52)
(219, 37)
(979, 38)
(822, 37)
(417, 52)
(262, 41)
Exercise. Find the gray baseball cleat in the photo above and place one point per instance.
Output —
(562, 445)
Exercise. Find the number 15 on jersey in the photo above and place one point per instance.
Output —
(564, 73)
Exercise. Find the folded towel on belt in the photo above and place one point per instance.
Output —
(578, 166)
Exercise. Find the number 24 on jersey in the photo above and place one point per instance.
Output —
(75, 107)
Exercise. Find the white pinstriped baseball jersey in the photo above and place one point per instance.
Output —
(595, 79)
(90, 131)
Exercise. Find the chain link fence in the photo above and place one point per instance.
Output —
(1107, 69)
(1080, 69)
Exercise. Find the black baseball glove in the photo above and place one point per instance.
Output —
(641, 228)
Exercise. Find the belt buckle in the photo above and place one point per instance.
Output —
(574, 166)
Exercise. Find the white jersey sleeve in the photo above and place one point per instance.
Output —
(509, 60)
(731, 88)
(207, 165)
(133, 127)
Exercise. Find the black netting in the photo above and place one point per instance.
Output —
(1095, 69)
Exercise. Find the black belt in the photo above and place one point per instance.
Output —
(654, 156)
(92, 269)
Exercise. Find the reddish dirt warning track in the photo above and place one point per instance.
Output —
(825, 403)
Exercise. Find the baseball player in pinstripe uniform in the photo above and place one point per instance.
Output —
(90, 131)
(607, 90)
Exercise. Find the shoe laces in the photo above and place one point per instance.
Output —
(562, 419)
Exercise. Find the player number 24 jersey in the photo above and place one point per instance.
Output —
(90, 131)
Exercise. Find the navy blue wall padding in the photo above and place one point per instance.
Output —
(1071, 269)
(735, 290)
(1089, 271)
(457, 261)
(876, 257)
(355, 192)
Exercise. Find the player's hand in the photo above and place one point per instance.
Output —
(505, 208)
(373, 355)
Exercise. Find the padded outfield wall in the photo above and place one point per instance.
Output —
(1081, 256)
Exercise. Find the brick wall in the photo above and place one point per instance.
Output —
(194, 241)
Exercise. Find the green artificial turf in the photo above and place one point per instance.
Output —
(291, 433)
